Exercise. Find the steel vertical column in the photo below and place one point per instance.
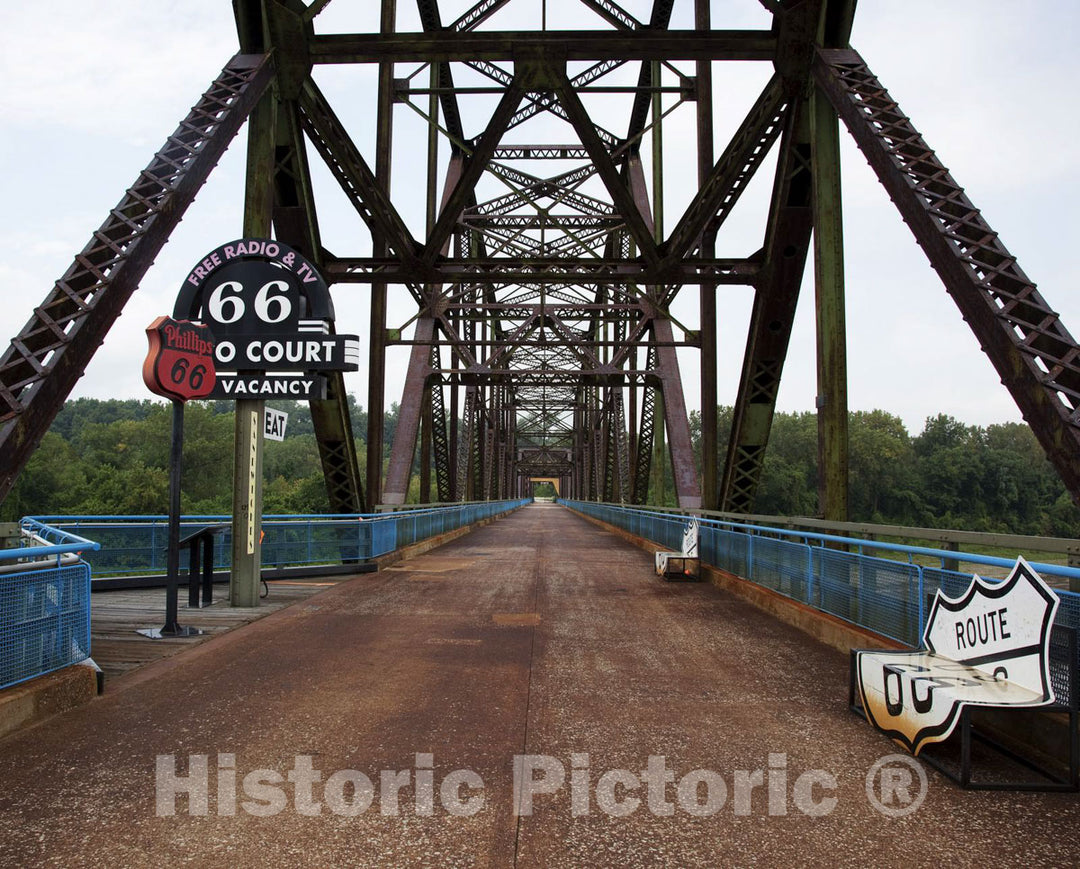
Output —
(709, 445)
(453, 435)
(657, 483)
(403, 450)
(377, 330)
(440, 440)
(671, 404)
(646, 436)
(427, 422)
(832, 401)
(246, 570)
(607, 438)
(464, 446)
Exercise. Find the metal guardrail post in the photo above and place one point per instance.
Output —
(922, 600)
(951, 563)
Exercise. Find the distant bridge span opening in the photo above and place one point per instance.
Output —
(555, 483)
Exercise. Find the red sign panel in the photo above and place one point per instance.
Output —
(180, 363)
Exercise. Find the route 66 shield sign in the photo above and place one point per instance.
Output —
(180, 362)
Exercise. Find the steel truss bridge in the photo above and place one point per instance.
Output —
(542, 272)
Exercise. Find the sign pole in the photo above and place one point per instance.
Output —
(176, 457)
(178, 366)
(172, 627)
(247, 505)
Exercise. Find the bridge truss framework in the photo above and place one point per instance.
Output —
(543, 343)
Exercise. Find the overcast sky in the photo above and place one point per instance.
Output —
(91, 89)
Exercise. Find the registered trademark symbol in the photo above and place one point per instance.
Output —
(896, 785)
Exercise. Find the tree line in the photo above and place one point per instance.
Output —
(950, 475)
(108, 457)
(104, 457)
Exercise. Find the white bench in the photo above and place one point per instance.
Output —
(682, 566)
(995, 646)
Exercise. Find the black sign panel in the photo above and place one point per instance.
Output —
(301, 351)
(299, 387)
(253, 283)
(269, 311)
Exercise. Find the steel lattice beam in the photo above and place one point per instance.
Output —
(1035, 355)
(571, 45)
(772, 318)
(543, 270)
(52, 350)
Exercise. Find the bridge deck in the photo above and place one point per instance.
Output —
(537, 635)
(117, 615)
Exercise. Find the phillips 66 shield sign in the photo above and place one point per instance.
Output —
(180, 362)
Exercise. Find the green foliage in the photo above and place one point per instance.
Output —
(111, 457)
(951, 475)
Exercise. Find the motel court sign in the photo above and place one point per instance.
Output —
(272, 320)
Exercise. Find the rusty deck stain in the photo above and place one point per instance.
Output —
(558, 646)
(519, 619)
(117, 615)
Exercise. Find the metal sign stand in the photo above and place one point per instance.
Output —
(172, 627)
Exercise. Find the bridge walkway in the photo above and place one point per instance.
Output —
(538, 635)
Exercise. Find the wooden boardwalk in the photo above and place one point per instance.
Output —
(116, 616)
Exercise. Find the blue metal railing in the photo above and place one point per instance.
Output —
(44, 603)
(136, 545)
(887, 596)
(45, 585)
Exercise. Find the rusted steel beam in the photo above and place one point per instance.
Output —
(639, 113)
(1036, 357)
(687, 484)
(614, 13)
(472, 168)
(294, 215)
(549, 377)
(399, 470)
(544, 221)
(296, 224)
(639, 490)
(52, 350)
(569, 271)
(419, 367)
(388, 232)
(431, 22)
(507, 345)
(337, 447)
(720, 191)
(572, 45)
(710, 477)
(786, 246)
(355, 177)
(439, 436)
(677, 424)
